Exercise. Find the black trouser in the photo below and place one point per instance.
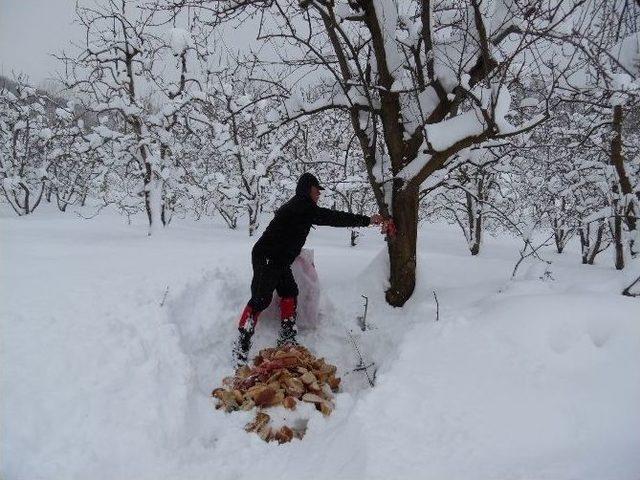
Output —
(267, 277)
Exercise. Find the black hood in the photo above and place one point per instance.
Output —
(305, 182)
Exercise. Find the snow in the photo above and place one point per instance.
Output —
(622, 81)
(503, 104)
(180, 40)
(627, 53)
(112, 342)
(342, 11)
(387, 15)
(272, 116)
(478, 406)
(529, 102)
(45, 134)
(64, 114)
(414, 167)
(447, 133)
(428, 100)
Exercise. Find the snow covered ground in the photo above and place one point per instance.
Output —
(111, 343)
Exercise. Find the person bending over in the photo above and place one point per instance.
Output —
(275, 251)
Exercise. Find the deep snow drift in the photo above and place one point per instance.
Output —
(112, 341)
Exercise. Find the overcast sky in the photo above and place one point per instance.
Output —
(29, 31)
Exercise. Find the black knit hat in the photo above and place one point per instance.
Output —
(305, 182)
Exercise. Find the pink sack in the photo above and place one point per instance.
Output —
(304, 272)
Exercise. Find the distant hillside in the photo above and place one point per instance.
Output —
(51, 100)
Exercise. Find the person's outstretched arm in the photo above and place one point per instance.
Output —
(335, 218)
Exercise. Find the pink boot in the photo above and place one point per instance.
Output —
(288, 329)
(246, 327)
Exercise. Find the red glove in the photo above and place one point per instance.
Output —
(377, 219)
(387, 226)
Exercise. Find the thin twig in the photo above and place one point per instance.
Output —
(164, 297)
(437, 306)
(362, 319)
(627, 291)
(534, 251)
(361, 365)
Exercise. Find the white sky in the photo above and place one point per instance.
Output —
(29, 31)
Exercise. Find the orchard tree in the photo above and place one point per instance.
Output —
(132, 72)
(238, 113)
(469, 195)
(419, 82)
(27, 148)
(606, 90)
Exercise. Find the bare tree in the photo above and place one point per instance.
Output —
(237, 109)
(121, 75)
(423, 80)
(609, 66)
(34, 140)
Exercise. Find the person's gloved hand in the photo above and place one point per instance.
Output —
(377, 219)
(388, 227)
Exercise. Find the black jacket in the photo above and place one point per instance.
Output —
(286, 233)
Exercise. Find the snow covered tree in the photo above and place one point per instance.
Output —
(70, 170)
(28, 135)
(132, 74)
(237, 110)
(603, 91)
(424, 80)
(468, 194)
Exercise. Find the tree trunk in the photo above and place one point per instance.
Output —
(40, 196)
(163, 214)
(560, 231)
(590, 245)
(626, 189)
(354, 237)
(595, 249)
(402, 248)
(584, 245)
(62, 205)
(147, 204)
(253, 211)
(475, 235)
(26, 199)
(153, 201)
(559, 235)
(615, 225)
(229, 218)
(470, 205)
